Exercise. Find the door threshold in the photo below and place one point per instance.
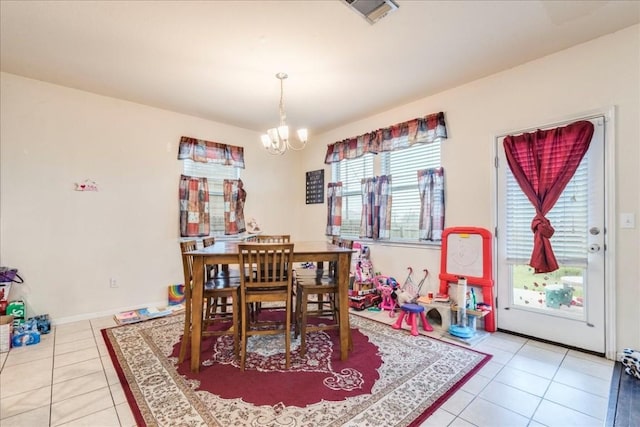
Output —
(581, 350)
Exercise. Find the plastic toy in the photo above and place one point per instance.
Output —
(411, 312)
(361, 302)
(409, 293)
(386, 288)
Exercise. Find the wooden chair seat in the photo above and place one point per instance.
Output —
(222, 299)
(319, 282)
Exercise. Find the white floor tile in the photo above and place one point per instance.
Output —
(70, 358)
(595, 369)
(486, 414)
(117, 393)
(24, 402)
(547, 346)
(80, 406)
(105, 418)
(109, 370)
(74, 336)
(590, 357)
(583, 381)
(456, 403)
(439, 418)
(36, 418)
(524, 381)
(77, 386)
(533, 366)
(509, 345)
(71, 346)
(102, 323)
(553, 415)
(510, 337)
(76, 370)
(73, 327)
(543, 354)
(511, 398)
(587, 403)
(490, 369)
(459, 422)
(499, 356)
(476, 384)
(25, 377)
(125, 415)
(28, 354)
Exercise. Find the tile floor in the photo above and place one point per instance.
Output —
(68, 380)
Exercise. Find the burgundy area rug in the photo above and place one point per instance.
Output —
(390, 379)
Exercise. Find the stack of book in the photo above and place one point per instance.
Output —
(142, 314)
(441, 298)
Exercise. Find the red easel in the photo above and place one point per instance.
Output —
(478, 270)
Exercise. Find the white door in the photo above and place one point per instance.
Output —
(568, 305)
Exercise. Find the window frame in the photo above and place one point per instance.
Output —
(215, 174)
(383, 164)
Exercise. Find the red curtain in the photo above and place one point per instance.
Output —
(543, 163)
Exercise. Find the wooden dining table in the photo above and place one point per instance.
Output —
(226, 252)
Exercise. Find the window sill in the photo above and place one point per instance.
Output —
(397, 243)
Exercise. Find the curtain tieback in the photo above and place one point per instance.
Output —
(542, 226)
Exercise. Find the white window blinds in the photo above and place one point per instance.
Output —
(403, 165)
(569, 218)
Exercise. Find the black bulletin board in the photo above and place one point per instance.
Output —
(315, 186)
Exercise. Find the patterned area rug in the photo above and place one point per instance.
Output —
(391, 378)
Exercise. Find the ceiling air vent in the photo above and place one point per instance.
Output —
(372, 10)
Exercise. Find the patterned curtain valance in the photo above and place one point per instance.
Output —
(426, 129)
(203, 151)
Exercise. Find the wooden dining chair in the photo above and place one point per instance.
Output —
(211, 270)
(214, 290)
(271, 282)
(219, 271)
(319, 283)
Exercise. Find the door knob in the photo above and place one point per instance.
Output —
(594, 248)
(594, 231)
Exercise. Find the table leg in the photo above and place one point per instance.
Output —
(344, 261)
(196, 312)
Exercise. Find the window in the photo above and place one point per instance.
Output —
(215, 174)
(569, 217)
(351, 172)
(402, 165)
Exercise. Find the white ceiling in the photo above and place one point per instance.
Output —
(218, 59)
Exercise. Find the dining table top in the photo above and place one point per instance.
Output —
(226, 247)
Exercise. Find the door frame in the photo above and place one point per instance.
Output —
(610, 327)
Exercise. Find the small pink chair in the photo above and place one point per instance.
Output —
(411, 311)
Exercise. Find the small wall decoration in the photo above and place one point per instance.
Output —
(86, 185)
(315, 186)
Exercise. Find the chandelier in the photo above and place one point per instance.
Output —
(276, 140)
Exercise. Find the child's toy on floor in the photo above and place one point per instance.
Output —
(386, 287)
(409, 293)
(411, 312)
(462, 329)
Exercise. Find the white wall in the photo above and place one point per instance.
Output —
(595, 75)
(68, 244)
